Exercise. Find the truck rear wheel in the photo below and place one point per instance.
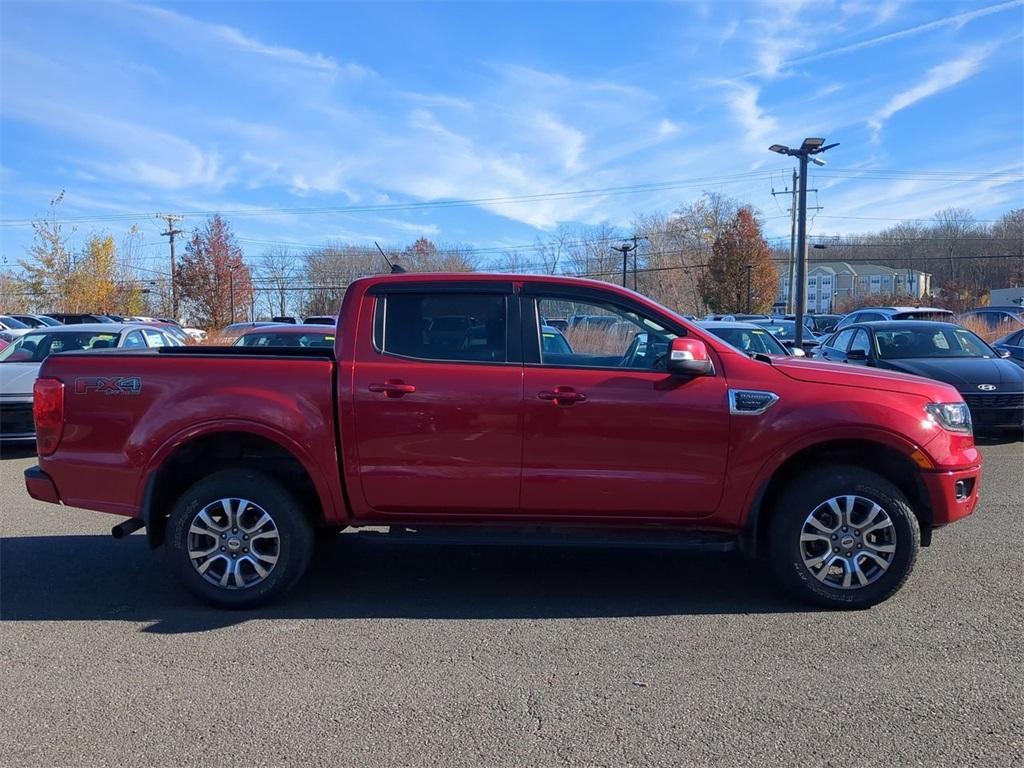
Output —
(238, 539)
(843, 537)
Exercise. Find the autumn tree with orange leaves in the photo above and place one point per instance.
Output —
(724, 285)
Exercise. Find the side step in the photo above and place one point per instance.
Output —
(552, 536)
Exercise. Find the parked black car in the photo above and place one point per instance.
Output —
(1012, 343)
(747, 337)
(991, 385)
(819, 324)
(77, 318)
(785, 331)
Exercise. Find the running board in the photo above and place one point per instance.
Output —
(547, 536)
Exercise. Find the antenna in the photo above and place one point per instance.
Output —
(395, 268)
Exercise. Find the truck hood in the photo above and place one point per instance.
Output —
(16, 380)
(848, 375)
(965, 373)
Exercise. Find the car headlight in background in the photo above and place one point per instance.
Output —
(955, 417)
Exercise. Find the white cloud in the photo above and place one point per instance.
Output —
(742, 100)
(938, 79)
(223, 34)
(957, 21)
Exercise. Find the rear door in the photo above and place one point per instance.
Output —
(607, 432)
(834, 348)
(438, 400)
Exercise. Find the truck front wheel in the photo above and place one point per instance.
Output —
(238, 539)
(843, 537)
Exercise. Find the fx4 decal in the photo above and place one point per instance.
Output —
(108, 385)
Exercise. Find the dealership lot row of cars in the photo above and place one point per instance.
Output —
(923, 341)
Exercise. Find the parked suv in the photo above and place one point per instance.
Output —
(876, 314)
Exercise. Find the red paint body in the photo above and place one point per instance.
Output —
(393, 439)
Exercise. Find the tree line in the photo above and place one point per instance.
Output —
(706, 256)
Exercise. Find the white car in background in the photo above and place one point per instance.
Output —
(20, 362)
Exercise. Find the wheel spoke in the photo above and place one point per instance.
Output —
(264, 535)
(196, 554)
(204, 567)
(880, 561)
(871, 517)
(887, 549)
(264, 519)
(886, 523)
(260, 570)
(848, 514)
(805, 537)
(823, 573)
(228, 512)
(862, 580)
(208, 521)
(847, 572)
(816, 523)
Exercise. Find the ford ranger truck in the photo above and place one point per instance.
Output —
(449, 407)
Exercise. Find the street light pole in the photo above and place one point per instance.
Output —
(231, 290)
(805, 153)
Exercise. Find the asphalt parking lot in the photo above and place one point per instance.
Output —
(460, 657)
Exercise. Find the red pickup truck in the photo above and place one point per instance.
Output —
(448, 406)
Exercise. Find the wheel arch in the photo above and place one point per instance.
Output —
(881, 457)
(185, 461)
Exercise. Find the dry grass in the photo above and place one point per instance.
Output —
(600, 340)
(980, 328)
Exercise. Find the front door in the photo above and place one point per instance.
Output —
(438, 404)
(607, 433)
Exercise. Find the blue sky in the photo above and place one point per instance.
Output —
(134, 109)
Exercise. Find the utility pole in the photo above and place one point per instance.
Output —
(750, 269)
(806, 151)
(791, 280)
(170, 233)
(624, 249)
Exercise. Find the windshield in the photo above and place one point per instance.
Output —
(750, 341)
(11, 322)
(902, 343)
(273, 339)
(780, 329)
(35, 347)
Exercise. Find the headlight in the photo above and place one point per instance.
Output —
(952, 416)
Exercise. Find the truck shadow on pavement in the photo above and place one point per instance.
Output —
(95, 578)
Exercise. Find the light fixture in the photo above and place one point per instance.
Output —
(811, 144)
(782, 150)
(815, 160)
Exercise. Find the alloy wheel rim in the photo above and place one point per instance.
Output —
(233, 543)
(848, 542)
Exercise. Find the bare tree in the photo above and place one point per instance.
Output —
(277, 274)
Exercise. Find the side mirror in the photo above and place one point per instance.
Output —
(857, 354)
(797, 352)
(689, 357)
(1004, 353)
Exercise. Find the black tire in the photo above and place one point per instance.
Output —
(806, 494)
(293, 546)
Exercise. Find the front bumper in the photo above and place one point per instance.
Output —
(40, 486)
(16, 423)
(946, 492)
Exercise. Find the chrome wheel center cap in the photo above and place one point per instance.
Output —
(234, 544)
(846, 542)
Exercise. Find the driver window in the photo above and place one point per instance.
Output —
(600, 336)
(861, 343)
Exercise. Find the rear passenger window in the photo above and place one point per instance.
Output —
(842, 339)
(452, 326)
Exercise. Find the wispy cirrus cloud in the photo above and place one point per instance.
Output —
(937, 79)
(237, 40)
